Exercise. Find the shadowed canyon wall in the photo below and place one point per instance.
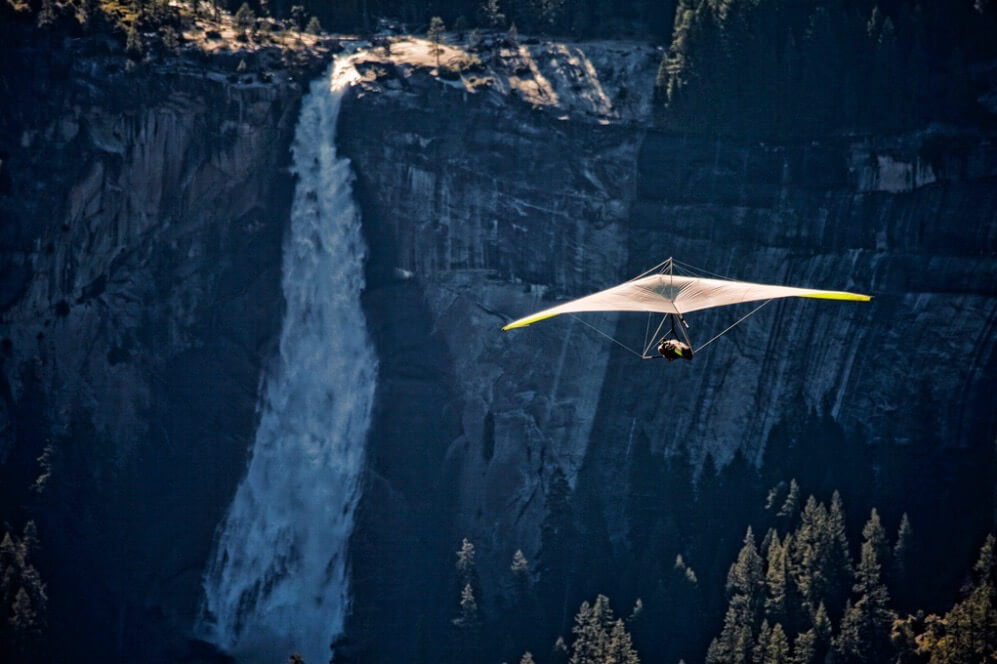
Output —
(483, 204)
(143, 218)
(140, 253)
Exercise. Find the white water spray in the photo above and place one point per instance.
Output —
(278, 581)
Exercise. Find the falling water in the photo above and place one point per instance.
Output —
(277, 581)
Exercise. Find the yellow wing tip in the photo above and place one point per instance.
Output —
(523, 322)
(841, 295)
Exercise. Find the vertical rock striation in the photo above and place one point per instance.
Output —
(140, 260)
(484, 201)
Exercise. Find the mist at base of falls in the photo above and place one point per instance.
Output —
(278, 580)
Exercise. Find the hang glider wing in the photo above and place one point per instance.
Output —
(675, 294)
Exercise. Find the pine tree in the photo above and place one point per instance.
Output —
(468, 616)
(298, 16)
(244, 17)
(493, 13)
(745, 585)
(746, 575)
(819, 561)
(776, 572)
(761, 643)
(791, 506)
(599, 638)
(520, 569)
(435, 35)
(46, 14)
(807, 557)
(778, 647)
(314, 27)
(774, 495)
(805, 648)
(591, 640)
(549, 11)
(168, 35)
(23, 600)
(87, 12)
(24, 621)
(968, 632)
(10, 584)
(772, 647)
(901, 561)
(875, 535)
(133, 43)
(467, 571)
(822, 630)
(621, 649)
(527, 658)
(866, 625)
(522, 623)
(839, 559)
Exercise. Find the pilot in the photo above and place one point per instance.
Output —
(673, 349)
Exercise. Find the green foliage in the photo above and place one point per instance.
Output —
(549, 12)
(468, 617)
(492, 13)
(902, 561)
(866, 625)
(777, 579)
(777, 648)
(465, 560)
(791, 506)
(168, 35)
(314, 27)
(245, 16)
(298, 16)
(968, 632)
(770, 68)
(23, 598)
(819, 561)
(436, 34)
(745, 585)
(133, 43)
(600, 637)
(519, 567)
(46, 14)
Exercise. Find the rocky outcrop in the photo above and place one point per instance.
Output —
(140, 248)
(485, 201)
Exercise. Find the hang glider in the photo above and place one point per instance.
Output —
(661, 290)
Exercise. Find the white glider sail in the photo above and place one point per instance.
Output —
(675, 294)
(661, 291)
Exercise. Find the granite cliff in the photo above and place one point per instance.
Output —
(140, 298)
(505, 188)
(143, 217)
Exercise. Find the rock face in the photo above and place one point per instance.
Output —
(140, 251)
(484, 202)
(143, 218)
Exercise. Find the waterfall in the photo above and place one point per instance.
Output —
(277, 580)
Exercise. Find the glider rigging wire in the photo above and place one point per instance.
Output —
(672, 293)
